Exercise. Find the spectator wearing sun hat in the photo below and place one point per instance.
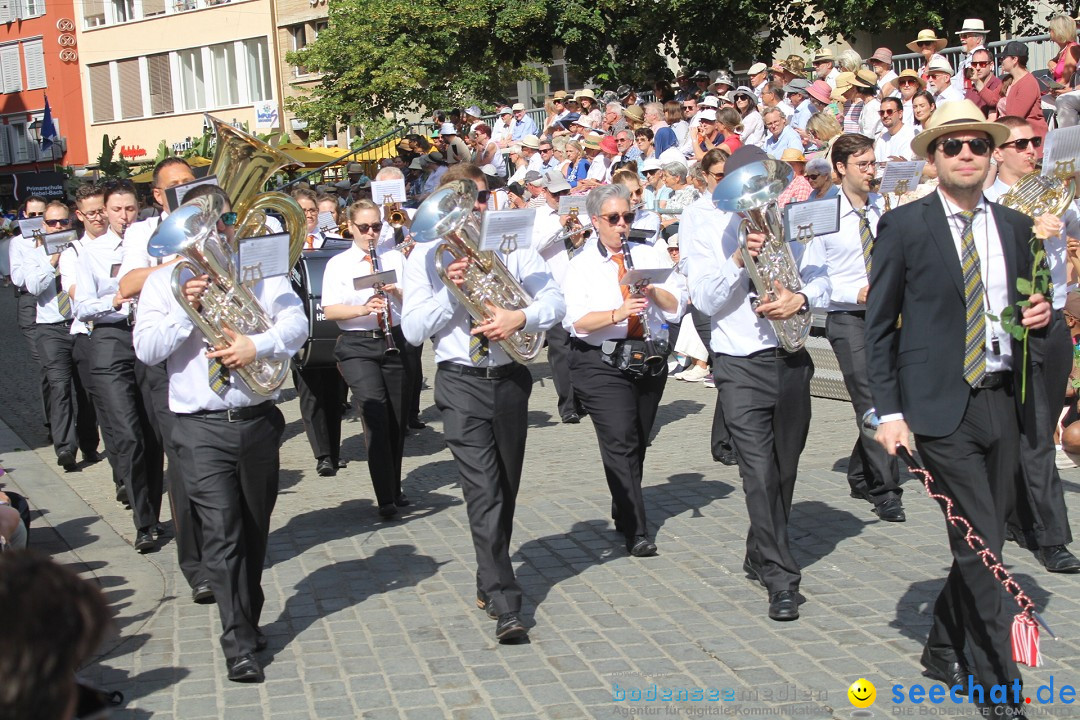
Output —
(502, 129)
(759, 78)
(927, 43)
(972, 36)
(522, 124)
(882, 64)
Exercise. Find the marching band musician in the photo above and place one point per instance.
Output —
(227, 439)
(765, 389)
(136, 454)
(606, 320)
(136, 266)
(321, 390)
(380, 379)
(872, 473)
(1041, 519)
(484, 399)
(644, 219)
(72, 426)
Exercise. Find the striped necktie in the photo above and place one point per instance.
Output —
(63, 300)
(975, 339)
(217, 375)
(478, 346)
(866, 236)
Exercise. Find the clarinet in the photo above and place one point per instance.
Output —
(384, 318)
(656, 349)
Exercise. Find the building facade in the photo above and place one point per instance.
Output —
(151, 68)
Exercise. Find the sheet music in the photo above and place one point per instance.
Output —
(652, 276)
(803, 220)
(263, 256)
(59, 241)
(1061, 151)
(392, 189)
(566, 202)
(28, 227)
(507, 230)
(898, 172)
(386, 277)
(175, 195)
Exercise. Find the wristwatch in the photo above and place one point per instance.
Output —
(805, 305)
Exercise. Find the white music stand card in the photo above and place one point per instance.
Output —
(1062, 151)
(804, 220)
(59, 241)
(29, 227)
(901, 176)
(507, 230)
(383, 191)
(328, 224)
(386, 277)
(650, 276)
(263, 256)
(175, 195)
(569, 202)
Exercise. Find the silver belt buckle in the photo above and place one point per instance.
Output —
(230, 417)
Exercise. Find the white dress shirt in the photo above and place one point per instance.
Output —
(337, 287)
(995, 191)
(645, 219)
(592, 284)
(899, 145)
(431, 311)
(598, 169)
(721, 288)
(97, 279)
(42, 280)
(18, 247)
(69, 260)
(949, 94)
(165, 332)
(753, 129)
(546, 229)
(994, 276)
(136, 238)
(844, 255)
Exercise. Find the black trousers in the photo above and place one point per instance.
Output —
(870, 468)
(381, 389)
(558, 354)
(720, 441)
(136, 454)
(623, 410)
(54, 347)
(322, 393)
(154, 385)
(976, 466)
(84, 355)
(766, 402)
(412, 355)
(27, 318)
(231, 473)
(1040, 497)
(86, 420)
(485, 423)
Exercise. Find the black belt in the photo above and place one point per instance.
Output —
(491, 372)
(772, 352)
(992, 381)
(853, 313)
(379, 334)
(119, 325)
(248, 412)
(65, 323)
(579, 344)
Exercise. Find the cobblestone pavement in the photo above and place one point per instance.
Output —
(368, 618)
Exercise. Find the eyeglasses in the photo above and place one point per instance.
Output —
(716, 175)
(886, 113)
(650, 173)
(34, 214)
(482, 196)
(311, 211)
(812, 177)
(980, 63)
(546, 150)
(228, 219)
(1022, 144)
(926, 43)
(689, 107)
(953, 146)
(908, 81)
(613, 218)
(865, 165)
(59, 222)
(375, 227)
(94, 213)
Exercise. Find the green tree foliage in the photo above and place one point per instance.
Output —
(382, 58)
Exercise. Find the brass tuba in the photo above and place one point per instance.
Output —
(447, 215)
(190, 231)
(752, 191)
(1034, 194)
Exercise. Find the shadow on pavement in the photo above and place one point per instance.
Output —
(816, 528)
(672, 412)
(138, 686)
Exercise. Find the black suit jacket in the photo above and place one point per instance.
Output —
(918, 369)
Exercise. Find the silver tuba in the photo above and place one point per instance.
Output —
(447, 215)
(190, 231)
(751, 191)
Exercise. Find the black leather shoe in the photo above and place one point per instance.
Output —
(571, 419)
(245, 669)
(91, 456)
(122, 496)
(157, 530)
(326, 467)
(66, 460)
(402, 500)
(752, 571)
(944, 669)
(202, 594)
(784, 605)
(641, 546)
(1058, 559)
(341, 464)
(388, 510)
(892, 510)
(144, 541)
(417, 424)
(484, 603)
(260, 641)
(510, 628)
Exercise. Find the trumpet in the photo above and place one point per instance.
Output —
(384, 318)
(573, 234)
(656, 348)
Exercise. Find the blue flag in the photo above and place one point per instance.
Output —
(48, 129)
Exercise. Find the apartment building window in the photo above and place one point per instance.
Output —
(101, 94)
(299, 42)
(21, 151)
(130, 83)
(93, 13)
(224, 62)
(153, 8)
(319, 26)
(10, 68)
(34, 55)
(5, 156)
(260, 84)
(192, 82)
(160, 75)
(123, 10)
(30, 8)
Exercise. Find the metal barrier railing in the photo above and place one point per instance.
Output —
(1041, 49)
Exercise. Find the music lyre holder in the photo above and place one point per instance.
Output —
(804, 233)
(509, 243)
(901, 187)
(252, 274)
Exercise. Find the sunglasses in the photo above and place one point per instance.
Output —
(374, 227)
(34, 214)
(1022, 143)
(926, 43)
(812, 177)
(689, 107)
(716, 175)
(953, 146)
(613, 218)
(228, 219)
(908, 81)
(886, 113)
(58, 223)
(650, 173)
(546, 150)
(482, 196)
(980, 63)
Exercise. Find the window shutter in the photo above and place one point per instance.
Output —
(20, 143)
(93, 13)
(101, 95)
(131, 105)
(161, 97)
(6, 10)
(150, 8)
(35, 65)
(5, 157)
(9, 56)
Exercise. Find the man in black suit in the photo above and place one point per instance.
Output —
(949, 262)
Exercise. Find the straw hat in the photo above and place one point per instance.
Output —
(972, 26)
(843, 84)
(585, 93)
(635, 113)
(793, 155)
(530, 141)
(592, 142)
(927, 36)
(909, 73)
(957, 116)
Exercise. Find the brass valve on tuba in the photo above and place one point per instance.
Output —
(447, 215)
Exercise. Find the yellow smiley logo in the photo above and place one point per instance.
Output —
(862, 693)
